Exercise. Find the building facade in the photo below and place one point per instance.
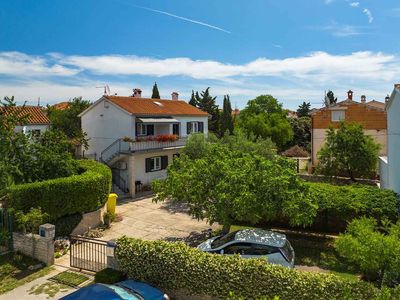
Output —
(139, 137)
(371, 115)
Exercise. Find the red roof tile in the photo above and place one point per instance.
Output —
(35, 114)
(61, 105)
(147, 106)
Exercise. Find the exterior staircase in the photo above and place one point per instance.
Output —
(121, 195)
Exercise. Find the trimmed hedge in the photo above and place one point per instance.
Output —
(109, 276)
(59, 197)
(338, 205)
(175, 266)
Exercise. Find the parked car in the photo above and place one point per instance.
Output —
(126, 290)
(252, 243)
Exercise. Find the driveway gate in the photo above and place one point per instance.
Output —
(6, 229)
(87, 253)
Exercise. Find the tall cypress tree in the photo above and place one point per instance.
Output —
(156, 93)
(207, 103)
(193, 101)
(226, 123)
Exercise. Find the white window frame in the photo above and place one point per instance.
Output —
(338, 115)
(157, 163)
(194, 127)
(142, 129)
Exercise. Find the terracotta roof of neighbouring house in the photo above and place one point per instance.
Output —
(35, 114)
(61, 105)
(147, 106)
(377, 104)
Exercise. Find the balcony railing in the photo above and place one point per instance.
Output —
(123, 147)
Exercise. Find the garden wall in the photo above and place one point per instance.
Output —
(35, 246)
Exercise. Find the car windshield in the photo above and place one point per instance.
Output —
(222, 240)
(125, 293)
(287, 251)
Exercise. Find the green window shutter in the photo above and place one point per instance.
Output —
(189, 127)
(150, 129)
(149, 162)
(164, 162)
(201, 127)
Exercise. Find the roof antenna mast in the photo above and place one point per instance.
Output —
(106, 89)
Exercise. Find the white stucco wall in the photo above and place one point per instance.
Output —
(393, 114)
(104, 124)
(319, 135)
(28, 128)
(185, 120)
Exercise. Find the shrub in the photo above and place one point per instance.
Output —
(295, 151)
(30, 222)
(109, 276)
(66, 224)
(338, 205)
(174, 266)
(376, 254)
(59, 197)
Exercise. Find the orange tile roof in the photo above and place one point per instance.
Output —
(35, 114)
(147, 106)
(61, 105)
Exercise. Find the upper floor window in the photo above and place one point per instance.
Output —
(338, 115)
(144, 129)
(194, 127)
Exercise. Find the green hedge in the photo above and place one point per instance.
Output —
(338, 205)
(109, 276)
(175, 266)
(59, 197)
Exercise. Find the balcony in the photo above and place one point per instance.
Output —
(153, 144)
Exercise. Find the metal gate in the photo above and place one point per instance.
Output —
(6, 230)
(88, 254)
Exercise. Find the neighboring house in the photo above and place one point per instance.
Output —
(138, 137)
(390, 164)
(61, 105)
(36, 122)
(371, 115)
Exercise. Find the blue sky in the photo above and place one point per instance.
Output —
(294, 50)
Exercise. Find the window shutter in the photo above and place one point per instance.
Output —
(150, 129)
(164, 162)
(148, 165)
(137, 129)
(175, 129)
(201, 127)
(189, 127)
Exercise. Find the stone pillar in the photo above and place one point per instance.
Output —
(36, 246)
(112, 262)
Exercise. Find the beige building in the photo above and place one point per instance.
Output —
(371, 115)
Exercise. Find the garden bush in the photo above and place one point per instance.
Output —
(175, 266)
(59, 197)
(109, 276)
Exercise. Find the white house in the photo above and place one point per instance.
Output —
(138, 137)
(390, 164)
(36, 120)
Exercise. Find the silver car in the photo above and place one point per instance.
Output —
(253, 243)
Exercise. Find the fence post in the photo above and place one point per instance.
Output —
(110, 251)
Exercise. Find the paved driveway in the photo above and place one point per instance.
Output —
(152, 221)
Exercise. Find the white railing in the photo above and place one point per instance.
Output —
(149, 145)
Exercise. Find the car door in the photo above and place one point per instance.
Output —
(243, 249)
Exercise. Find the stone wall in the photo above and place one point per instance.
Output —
(35, 246)
(90, 220)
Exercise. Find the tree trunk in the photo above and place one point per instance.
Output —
(226, 228)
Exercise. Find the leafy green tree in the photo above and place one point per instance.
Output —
(301, 132)
(330, 98)
(374, 250)
(225, 185)
(193, 100)
(68, 121)
(264, 118)
(207, 103)
(348, 151)
(156, 93)
(30, 222)
(304, 109)
(226, 119)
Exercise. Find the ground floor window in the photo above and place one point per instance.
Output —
(194, 127)
(156, 163)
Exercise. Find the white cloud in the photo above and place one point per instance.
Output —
(368, 13)
(290, 79)
(327, 2)
(354, 4)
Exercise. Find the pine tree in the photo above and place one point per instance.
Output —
(156, 93)
(304, 109)
(226, 123)
(207, 103)
(193, 101)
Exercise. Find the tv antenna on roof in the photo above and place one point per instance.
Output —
(106, 89)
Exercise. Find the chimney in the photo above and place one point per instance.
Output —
(350, 95)
(363, 99)
(387, 98)
(137, 93)
(175, 96)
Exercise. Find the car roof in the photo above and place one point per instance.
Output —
(261, 236)
(94, 291)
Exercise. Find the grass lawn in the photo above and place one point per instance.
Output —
(70, 278)
(14, 271)
(311, 250)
